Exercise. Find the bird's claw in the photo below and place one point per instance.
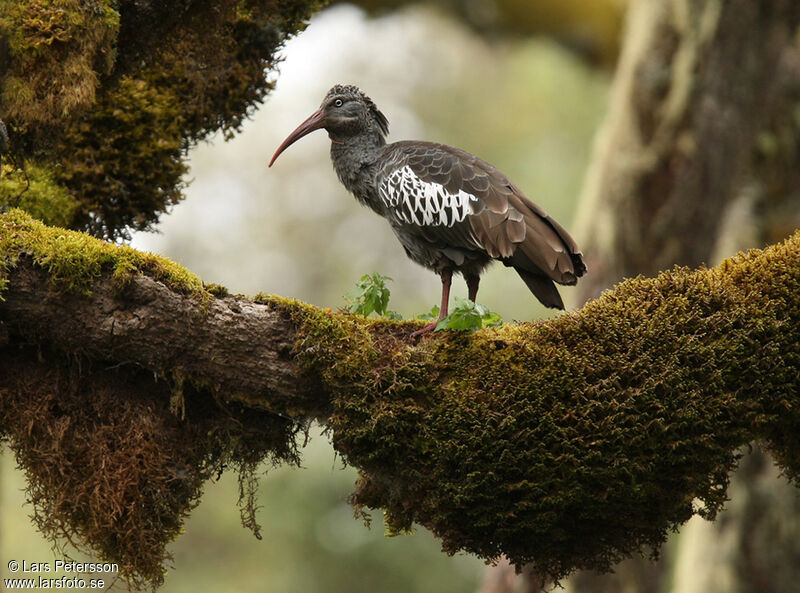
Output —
(428, 328)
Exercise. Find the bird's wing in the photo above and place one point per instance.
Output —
(454, 199)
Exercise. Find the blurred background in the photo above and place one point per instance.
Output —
(526, 90)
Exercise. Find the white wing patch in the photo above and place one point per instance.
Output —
(424, 203)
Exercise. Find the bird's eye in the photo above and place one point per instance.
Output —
(338, 103)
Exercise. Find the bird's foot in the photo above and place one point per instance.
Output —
(428, 328)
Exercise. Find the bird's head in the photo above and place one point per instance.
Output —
(345, 112)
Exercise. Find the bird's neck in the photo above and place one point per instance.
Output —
(355, 161)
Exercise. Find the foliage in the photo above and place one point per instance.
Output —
(465, 315)
(370, 295)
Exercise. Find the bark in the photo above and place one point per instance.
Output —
(240, 348)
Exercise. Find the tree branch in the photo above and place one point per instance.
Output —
(239, 348)
(569, 443)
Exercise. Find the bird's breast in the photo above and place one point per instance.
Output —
(358, 175)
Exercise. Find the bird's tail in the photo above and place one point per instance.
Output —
(543, 288)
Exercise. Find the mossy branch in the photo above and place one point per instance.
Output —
(568, 443)
(103, 98)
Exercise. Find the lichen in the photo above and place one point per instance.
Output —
(576, 442)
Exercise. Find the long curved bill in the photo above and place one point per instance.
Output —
(314, 122)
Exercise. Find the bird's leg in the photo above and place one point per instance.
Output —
(472, 285)
(447, 277)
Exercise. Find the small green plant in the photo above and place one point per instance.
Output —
(468, 316)
(464, 316)
(371, 295)
(430, 315)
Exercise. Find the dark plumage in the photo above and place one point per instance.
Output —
(452, 211)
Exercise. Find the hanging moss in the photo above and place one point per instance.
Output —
(59, 50)
(111, 468)
(580, 441)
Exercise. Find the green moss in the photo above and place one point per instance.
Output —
(59, 49)
(576, 442)
(130, 145)
(35, 191)
(217, 290)
(75, 260)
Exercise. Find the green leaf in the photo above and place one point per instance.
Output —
(371, 295)
(430, 315)
(492, 319)
(468, 316)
